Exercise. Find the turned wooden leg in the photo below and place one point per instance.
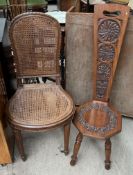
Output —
(19, 142)
(107, 153)
(66, 138)
(76, 148)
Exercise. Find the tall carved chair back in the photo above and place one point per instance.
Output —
(97, 118)
(35, 40)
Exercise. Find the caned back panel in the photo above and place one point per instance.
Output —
(35, 40)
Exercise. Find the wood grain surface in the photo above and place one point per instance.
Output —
(4, 151)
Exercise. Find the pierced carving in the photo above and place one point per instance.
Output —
(108, 30)
(106, 52)
(96, 106)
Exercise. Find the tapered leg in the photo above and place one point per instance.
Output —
(76, 148)
(66, 138)
(107, 153)
(19, 142)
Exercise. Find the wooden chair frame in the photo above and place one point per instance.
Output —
(32, 67)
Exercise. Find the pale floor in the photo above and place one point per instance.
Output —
(45, 157)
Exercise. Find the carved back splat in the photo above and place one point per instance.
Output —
(109, 29)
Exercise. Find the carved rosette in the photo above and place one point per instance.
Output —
(106, 52)
(108, 33)
(111, 115)
(108, 30)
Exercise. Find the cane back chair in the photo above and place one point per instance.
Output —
(35, 40)
(97, 118)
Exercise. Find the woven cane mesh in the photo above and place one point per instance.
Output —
(35, 39)
(40, 105)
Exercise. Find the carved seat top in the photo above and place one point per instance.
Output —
(98, 119)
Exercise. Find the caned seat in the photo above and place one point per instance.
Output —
(35, 41)
(40, 105)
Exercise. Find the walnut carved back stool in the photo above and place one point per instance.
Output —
(97, 118)
(35, 40)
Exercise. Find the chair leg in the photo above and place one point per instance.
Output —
(107, 153)
(19, 142)
(66, 138)
(76, 148)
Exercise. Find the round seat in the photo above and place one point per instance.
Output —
(40, 105)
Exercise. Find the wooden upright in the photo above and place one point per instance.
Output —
(4, 150)
(97, 118)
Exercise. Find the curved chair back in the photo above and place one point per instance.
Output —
(35, 40)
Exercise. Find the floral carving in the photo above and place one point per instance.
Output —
(108, 30)
(108, 33)
(101, 130)
(106, 52)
